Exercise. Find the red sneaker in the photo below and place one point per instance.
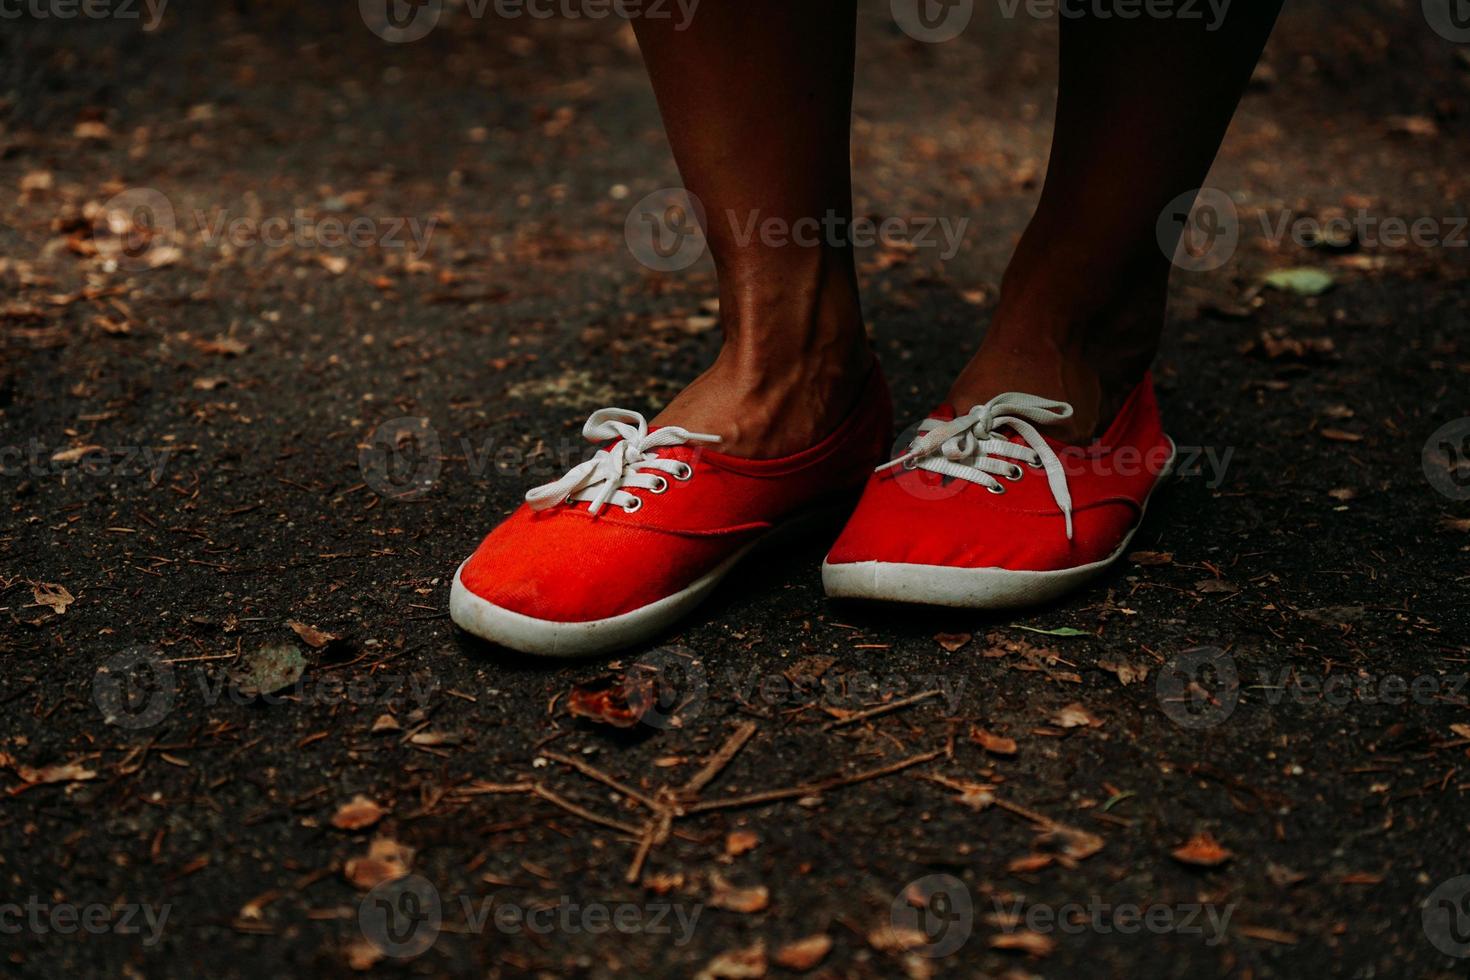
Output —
(977, 517)
(634, 538)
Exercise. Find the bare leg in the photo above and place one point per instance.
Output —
(1142, 110)
(756, 96)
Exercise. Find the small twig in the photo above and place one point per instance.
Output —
(720, 759)
(882, 709)
(592, 772)
(811, 789)
(481, 788)
(654, 832)
(583, 812)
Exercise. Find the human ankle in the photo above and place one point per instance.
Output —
(794, 360)
(1068, 346)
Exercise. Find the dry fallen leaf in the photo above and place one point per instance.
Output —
(803, 954)
(1202, 850)
(889, 938)
(1030, 943)
(1126, 673)
(736, 964)
(737, 842)
(52, 595)
(1341, 435)
(1148, 558)
(1069, 842)
(362, 955)
(385, 860)
(951, 641)
(71, 772)
(72, 455)
(1029, 863)
(357, 813)
(992, 743)
(310, 635)
(1075, 715)
(737, 899)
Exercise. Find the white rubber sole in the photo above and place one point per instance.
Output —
(548, 638)
(972, 588)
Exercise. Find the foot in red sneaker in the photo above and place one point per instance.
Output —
(631, 540)
(986, 511)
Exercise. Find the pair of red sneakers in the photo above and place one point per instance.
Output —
(981, 510)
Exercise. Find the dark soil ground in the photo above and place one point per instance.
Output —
(237, 393)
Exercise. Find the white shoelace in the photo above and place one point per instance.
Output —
(602, 478)
(972, 448)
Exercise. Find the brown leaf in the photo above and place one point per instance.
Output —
(736, 964)
(1202, 850)
(223, 346)
(889, 938)
(1031, 943)
(72, 455)
(803, 954)
(362, 955)
(70, 772)
(310, 635)
(1075, 715)
(951, 641)
(1029, 863)
(1148, 558)
(52, 595)
(1461, 524)
(1126, 673)
(385, 860)
(1069, 842)
(737, 842)
(1216, 586)
(1340, 435)
(724, 895)
(613, 700)
(994, 744)
(357, 813)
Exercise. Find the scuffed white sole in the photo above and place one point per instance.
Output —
(972, 588)
(548, 638)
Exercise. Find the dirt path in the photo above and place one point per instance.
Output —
(286, 432)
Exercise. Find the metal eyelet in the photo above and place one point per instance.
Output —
(661, 486)
(1036, 464)
(634, 507)
(1015, 474)
(684, 472)
(996, 488)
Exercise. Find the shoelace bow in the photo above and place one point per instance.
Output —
(972, 448)
(602, 479)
